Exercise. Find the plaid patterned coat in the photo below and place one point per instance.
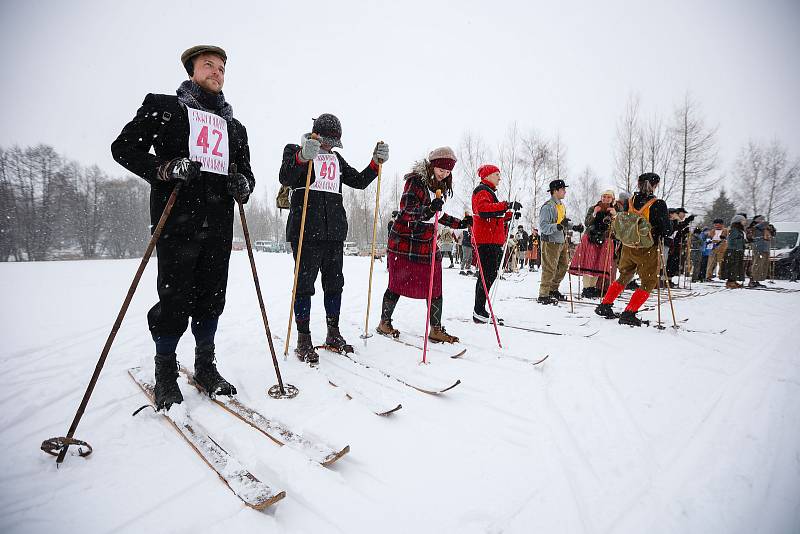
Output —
(412, 231)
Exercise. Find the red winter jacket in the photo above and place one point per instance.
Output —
(488, 216)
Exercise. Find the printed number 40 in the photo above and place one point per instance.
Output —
(202, 140)
(328, 171)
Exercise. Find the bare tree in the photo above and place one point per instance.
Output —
(659, 151)
(536, 155)
(472, 153)
(88, 214)
(584, 192)
(767, 181)
(510, 160)
(558, 159)
(627, 149)
(696, 151)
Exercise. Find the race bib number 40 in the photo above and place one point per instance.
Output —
(328, 173)
(208, 141)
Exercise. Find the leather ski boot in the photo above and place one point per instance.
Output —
(385, 328)
(547, 299)
(334, 339)
(305, 349)
(206, 375)
(606, 310)
(629, 318)
(556, 294)
(439, 335)
(167, 391)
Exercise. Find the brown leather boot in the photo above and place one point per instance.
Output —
(385, 328)
(439, 335)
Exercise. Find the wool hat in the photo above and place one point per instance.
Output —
(329, 128)
(680, 210)
(607, 192)
(719, 221)
(556, 184)
(671, 211)
(190, 53)
(486, 170)
(624, 195)
(757, 217)
(443, 157)
(738, 218)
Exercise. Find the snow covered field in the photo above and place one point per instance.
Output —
(626, 431)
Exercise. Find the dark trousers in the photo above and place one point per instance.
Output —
(192, 279)
(324, 257)
(490, 256)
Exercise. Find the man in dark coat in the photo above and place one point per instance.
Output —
(198, 143)
(325, 225)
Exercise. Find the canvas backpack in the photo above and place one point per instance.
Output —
(633, 227)
(282, 200)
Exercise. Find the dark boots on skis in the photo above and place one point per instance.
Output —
(334, 339)
(167, 391)
(206, 375)
(305, 349)
(605, 310)
(547, 299)
(629, 318)
(556, 294)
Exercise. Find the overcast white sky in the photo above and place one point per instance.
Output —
(416, 74)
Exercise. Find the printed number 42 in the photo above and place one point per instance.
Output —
(202, 140)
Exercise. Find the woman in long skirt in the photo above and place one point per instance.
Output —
(410, 247)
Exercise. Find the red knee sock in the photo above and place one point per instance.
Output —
(613, 292)
(637, 299)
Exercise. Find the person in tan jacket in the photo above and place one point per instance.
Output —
(719, 238)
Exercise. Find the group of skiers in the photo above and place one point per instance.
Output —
(198, 144)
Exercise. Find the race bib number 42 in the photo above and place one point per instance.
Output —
(328, 173)
(208, 141)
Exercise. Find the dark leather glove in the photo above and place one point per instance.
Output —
(514, 206)
(239, 187)
(179, 169)
(517, 215)
(436, 204)
(466, 222)
(690, 218)
(560, 227)
(579, 228)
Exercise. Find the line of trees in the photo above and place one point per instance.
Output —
(51, 207)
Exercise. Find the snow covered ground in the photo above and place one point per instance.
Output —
(626, 431)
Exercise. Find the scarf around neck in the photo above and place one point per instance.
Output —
(195, 97)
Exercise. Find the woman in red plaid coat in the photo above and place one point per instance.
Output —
(411, 241)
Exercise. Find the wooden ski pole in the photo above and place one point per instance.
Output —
(366, 333)
(299, 252)
(669, 292)
(569, 275)
(62, 444)
(278, 391)
(658, 290)
(430, 282)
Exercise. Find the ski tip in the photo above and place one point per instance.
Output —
(263, 504)
(460, 354)
(333, 457)
(389, 412)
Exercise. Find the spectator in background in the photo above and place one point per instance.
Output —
(734, 255)
(718, 236)
(760, 233)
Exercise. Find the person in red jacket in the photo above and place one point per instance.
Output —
(490, 217)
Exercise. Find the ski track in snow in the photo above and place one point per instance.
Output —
(632, 430)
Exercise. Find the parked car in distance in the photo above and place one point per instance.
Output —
(268, 246)
(350, 248)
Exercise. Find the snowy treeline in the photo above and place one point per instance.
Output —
(53, 207)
